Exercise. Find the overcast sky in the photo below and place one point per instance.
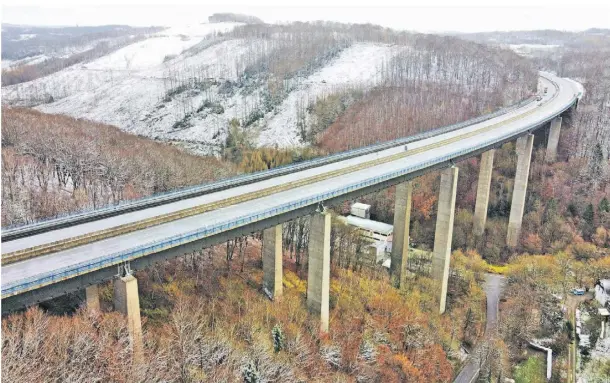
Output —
(441, 16)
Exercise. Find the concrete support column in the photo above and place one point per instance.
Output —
(524, 156)
(272, 262)
(551, 148)
(318, 272)
(92, 298)
(480, 208)
(400, 241)
(444, 231)
(127, 302)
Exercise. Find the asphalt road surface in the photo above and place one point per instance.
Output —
(494, 284)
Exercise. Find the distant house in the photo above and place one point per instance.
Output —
(602, 292)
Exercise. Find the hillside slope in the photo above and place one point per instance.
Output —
(188, 84)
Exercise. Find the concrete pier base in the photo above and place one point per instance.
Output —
(400, 241)
(554, 132)
(524, 156)
(92, 298)
(127, 302)
(480, 208)
(444, 232)
(272, 262)
(318, 272)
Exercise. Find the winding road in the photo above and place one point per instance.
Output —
(494, 285)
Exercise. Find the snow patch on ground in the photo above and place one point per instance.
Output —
(24, 61)
(6, 64)
(24, 37)
(533, 46)
(142, 55)
(530, 49)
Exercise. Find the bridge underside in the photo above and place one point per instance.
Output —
(71, 285)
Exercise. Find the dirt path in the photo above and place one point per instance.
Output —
(572, 302)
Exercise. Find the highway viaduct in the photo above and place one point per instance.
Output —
(50, 259)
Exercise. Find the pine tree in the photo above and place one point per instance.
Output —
(278, 338)
(589, 215)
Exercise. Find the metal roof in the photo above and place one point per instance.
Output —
(367, 224)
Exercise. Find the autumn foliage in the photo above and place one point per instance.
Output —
(203, 322)
(52, 165)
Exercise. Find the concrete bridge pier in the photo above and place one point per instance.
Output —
(444, 232)
(127, 302)
(272, 262)
(92, 298)
(318, 272)
(400, 242)
(480, 208)
(524, 156)
(554, 132)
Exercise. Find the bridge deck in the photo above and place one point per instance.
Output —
(476, 134)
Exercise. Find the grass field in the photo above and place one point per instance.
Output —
(531, 371)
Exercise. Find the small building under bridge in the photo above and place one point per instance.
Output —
(379, 234)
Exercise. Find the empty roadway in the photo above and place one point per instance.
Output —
(477, 135)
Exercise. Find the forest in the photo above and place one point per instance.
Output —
(204, 315)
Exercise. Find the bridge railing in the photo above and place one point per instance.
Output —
(156, 246)
(251, 177)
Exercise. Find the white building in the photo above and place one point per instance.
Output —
(361, 210)
(378, 233)
(602, 292)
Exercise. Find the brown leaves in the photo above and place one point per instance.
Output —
(54, 164)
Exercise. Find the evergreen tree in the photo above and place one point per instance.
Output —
(278, 338)
(589, 215)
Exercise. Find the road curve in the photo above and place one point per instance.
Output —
(276, 195)
(494, 285)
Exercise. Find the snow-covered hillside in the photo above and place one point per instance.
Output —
(359, 66)
(128, 88)
(188, 83)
